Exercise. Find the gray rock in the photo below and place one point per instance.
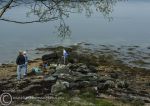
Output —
(110, 84)
(84, 84)
(122, 84)
(102, 87)
(87, 78)
(60, 86)
(103, 79)
(69, 77)
(74, 85)
(93, 83)
(52, 71)
(105, 86)
(50, 79)
(83, 69)
(62, 69)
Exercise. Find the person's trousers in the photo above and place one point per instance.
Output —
(25, 68)
(20, 71)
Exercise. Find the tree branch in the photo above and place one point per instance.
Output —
(6, 7)
(28, 22)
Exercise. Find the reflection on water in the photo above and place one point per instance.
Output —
(27, 24)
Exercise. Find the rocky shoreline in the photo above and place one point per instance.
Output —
(86, 72)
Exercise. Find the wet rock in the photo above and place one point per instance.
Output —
(49, 56)
(53, 57)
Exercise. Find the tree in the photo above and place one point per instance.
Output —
(50, 10)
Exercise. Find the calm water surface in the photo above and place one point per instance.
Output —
(120, 23)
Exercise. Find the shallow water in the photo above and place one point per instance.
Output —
(122, 23)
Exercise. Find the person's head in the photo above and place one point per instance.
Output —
(20, 52)
(24, 53)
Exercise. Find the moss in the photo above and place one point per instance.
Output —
(100, 102)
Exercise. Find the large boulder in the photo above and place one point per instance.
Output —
(83, 69)
(87, 78)
(122, 84)
(53, 57)
(60, 86)
(105, 86)
(65, 77)
(74, 85)
(110, 84)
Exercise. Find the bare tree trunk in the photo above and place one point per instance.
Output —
(6, 7)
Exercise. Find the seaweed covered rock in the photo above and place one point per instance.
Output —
(49, 58)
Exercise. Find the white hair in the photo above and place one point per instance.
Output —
(24, 52)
